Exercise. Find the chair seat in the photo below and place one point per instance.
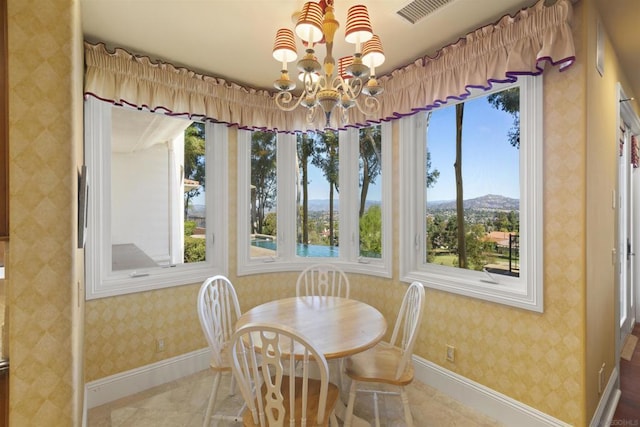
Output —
(225, 360)
(379, 364)
(312, 401)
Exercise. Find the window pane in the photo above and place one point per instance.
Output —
(473, 184)
(317, 224)
(370, 206)
(149, 193)
(264, 224)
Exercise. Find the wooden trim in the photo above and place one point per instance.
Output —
(4, 126)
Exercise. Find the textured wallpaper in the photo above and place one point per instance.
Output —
(45, 372)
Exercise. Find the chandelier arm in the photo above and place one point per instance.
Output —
(370, 105)
(285, 101)
(355, 87)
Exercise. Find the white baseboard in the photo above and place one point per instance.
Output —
(116, 386)
(489, 402)
(608, 402)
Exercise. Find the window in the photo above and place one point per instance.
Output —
(151, 223)
(476, 166)
(312, 196)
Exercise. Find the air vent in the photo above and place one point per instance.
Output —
(418, 9)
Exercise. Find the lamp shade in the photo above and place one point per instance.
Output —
(343, 63)
(309, 25)
(284, 47)
(358, 28)
(372, 54)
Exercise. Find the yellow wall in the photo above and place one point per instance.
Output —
(44, 281)
(601, 177)
(545, 360)
(535, 358)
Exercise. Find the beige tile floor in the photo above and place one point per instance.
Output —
(183, 403)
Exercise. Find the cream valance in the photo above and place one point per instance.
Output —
(521, 44)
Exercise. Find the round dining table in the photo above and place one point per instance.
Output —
(339, 327)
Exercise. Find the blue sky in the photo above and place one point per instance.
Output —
(489, 163)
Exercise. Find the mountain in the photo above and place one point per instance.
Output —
(489, 202)
(492, 202)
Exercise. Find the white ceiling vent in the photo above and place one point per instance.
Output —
(418, 9)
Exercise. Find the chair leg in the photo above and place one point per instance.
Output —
(212, 399)
(333, 421)
(407, 410)
(352, 400)
(376, 408)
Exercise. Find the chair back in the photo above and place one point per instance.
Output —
(409, 319)
(322, 280)
(218, 311)
(261, 357)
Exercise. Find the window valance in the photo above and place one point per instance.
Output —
(515, 45)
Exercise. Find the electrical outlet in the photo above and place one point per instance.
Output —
(159, 345)
(451, 353)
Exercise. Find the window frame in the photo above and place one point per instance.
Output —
(286, 260)
(525, 291)
(100, 280)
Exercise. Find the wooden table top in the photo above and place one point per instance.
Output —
(339, 327)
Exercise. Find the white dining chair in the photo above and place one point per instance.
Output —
(218, 311)
(390, 362)
(261, 360)
(323, 279)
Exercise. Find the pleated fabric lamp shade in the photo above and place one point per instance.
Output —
(284, 47)
(372, 53)
(309, 25)
(358, 29)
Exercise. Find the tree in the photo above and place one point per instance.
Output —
(462, 251)
(194, 160)
(370, 161)
(263, 176)
(371, 232)
(432, 176)
(326, 158)
(509, 101)
(476, 246)
(306, 150)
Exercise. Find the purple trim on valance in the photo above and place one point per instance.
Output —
(522, 44)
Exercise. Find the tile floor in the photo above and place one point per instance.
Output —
(183, 403)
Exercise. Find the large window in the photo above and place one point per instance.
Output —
(472, 196)
(152, 183)
(314, 196)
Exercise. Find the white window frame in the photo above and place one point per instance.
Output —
(100, 280)
(286, 260)
(525, 291)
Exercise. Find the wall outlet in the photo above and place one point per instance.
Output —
(159, 345)
(451, 353)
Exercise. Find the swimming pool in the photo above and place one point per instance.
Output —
(302, 250)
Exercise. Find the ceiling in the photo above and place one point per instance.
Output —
(233, 39)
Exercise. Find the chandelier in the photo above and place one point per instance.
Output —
(325, 88)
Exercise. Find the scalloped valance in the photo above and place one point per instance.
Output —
(516, 45)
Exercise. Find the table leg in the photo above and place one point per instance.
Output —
(338, 377)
